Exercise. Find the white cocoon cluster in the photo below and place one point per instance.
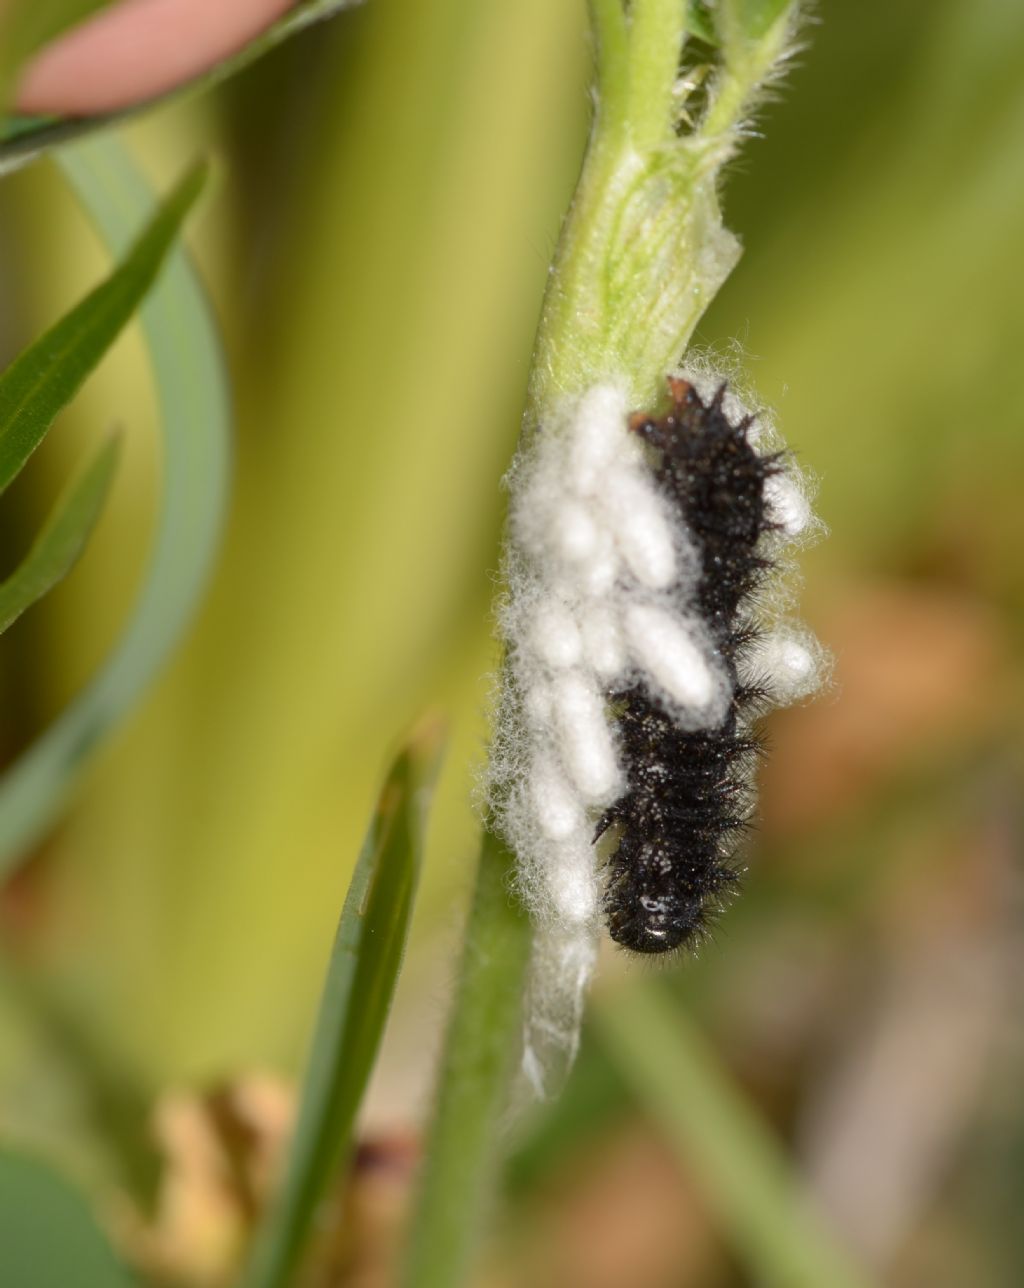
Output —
(602, 594)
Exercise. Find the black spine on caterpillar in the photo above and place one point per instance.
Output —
(686, 795)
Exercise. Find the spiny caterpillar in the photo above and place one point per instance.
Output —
(640, 652)
(688, 790)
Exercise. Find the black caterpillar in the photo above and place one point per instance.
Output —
(687, 792)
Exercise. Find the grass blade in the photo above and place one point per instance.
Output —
(48, 1238)
(194, 411)
(56, 549)
(22, 139)
(48, 374)
(721, 1141)
(360, 982)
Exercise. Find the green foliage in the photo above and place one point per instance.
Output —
(193, 398)
(48, 1238)
(361, 978)
(63, 537)
(49, 373)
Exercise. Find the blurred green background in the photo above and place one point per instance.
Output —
(388, 196)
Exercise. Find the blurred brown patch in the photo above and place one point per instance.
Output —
(623, 1215)
(222, 1150)
(917, 669)
(23, 901)
(361, 1237)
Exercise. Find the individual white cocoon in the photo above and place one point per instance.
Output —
(572, 882)
(787, 505)
(603, 647)
(538, 705)
(789, 664)
(668, 650)
(597, 439)
(643, 530)
(574, 534)
(554, 635)
(585, 739)
(598, 574)
(555, 804)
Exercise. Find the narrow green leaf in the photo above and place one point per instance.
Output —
(192, 396)
(56, 549)
(721, 1141)
(48, 1238)
(19, 144)
(46, 376)
(357, 995)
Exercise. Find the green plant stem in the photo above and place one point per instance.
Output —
(461, 1155)
(611, 38)
(657, 31)
(637, 64)
(192, 392)
(643, 250)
